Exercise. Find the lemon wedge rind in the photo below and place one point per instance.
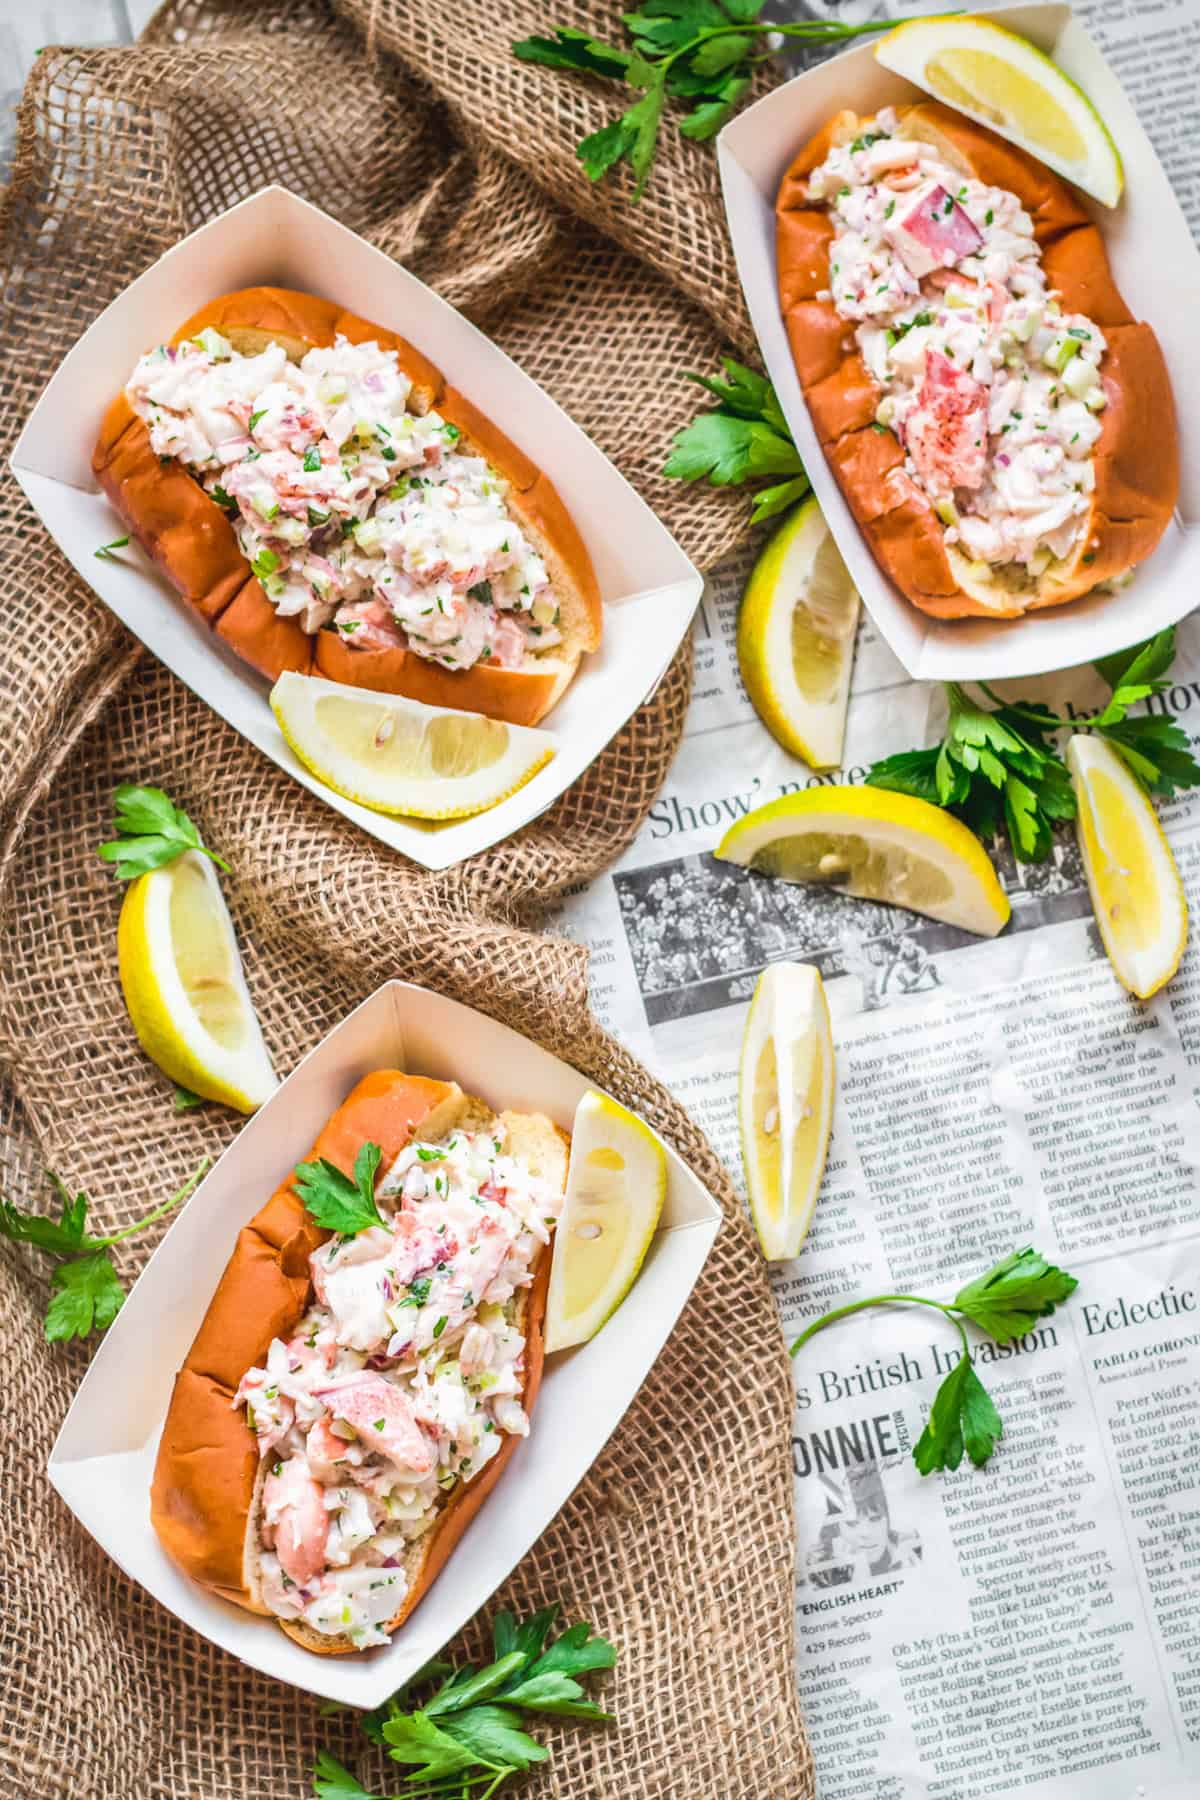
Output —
(185, 987)
(616, 1187)
(401, 757)
(1001, 80)
(874, 845)
(1136, 891)
(785, 1104)
(795, 638)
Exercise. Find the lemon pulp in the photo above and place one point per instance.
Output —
(1002, 93)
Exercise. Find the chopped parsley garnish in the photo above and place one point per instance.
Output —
(440, 1326)
(312, 459)
(255, 417)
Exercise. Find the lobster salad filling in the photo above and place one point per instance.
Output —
(991, 388)
(400, 1383)
(354, 513)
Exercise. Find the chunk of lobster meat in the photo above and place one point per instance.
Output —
(946, 432)
(383, 1418)
(933, 233)
(294, 1513)
(328, 1455)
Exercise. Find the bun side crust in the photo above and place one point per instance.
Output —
(195, 545)
(177, 523)
(520, 696)
(1136, 458)
(201, 1498)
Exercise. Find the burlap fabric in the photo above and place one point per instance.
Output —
(414, 125)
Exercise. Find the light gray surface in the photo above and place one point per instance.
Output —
(27, 25)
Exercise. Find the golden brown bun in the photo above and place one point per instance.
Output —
(1136, 457)
(195, 545)
(208, 1476)
(205, 1475)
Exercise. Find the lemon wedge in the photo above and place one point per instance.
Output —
(185, 988)
(795, 638)
(1136, 892)
(785, 1103)
(875, 845)
(616, 1184)
(1003, 81)
(399, 756)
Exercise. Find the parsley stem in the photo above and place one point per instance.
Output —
(101, 1243)
(1047, 721)
(843, 1312)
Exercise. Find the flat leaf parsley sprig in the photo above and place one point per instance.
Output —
(1006, 1303)
(338, 1202)
(466, 1740)
(744, 438)
(697, 52)
(86, 1289)
(151, 832)
(999, 767)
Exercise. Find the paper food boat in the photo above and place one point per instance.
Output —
(649, 588)
(103, 1459)
(1157, 268)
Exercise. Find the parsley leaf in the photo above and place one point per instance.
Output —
(1010, 1299)
(686, 49)
(962, 1417)
(61, 1239)
(1006, 1302)
(575, 1653)
(333, 1200)
(745, 438)
(333, 1782)
(152, 832)
(87, 1293)
(554, 1692)
(414, 1738)
(492, 1735)
(185, 1100)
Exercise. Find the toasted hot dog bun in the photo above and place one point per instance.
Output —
(207, 1478)
(195, 545)
(1136, 458)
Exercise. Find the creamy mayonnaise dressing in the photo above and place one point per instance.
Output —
(354, 512)
(400, 1381)
(991, 388)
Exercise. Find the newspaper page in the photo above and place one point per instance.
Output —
(1032, 1627)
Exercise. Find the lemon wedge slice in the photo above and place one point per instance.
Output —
(795, 638)
(785, 1104)
(616, 1185)
(1003, 81)
(185, 988)
(875, 845)
(1136, 892)
(401, 757)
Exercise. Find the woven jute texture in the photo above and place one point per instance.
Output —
(414, 125)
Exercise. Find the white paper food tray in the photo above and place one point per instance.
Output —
(1157, 268)
(103, 1458)
(648, 586)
